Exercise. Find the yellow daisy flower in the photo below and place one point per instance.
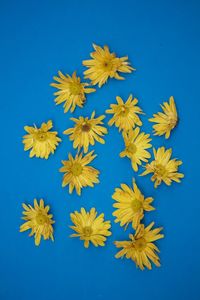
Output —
(86, 131)
(136, 144)
(77, 172)
(130, 204)
(166, 120)
(90, 228)
(71, 91)
(163, 167)
(104, 65)
(140, 248)
(38, 220)
(41, 141)
(125, 114)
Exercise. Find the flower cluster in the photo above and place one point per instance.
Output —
(130, 204)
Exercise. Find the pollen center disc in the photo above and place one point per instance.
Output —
(86, 127)
(136, 205)
(76, 169)
(87, 230)
(41, 219)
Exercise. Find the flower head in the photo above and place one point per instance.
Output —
(71, 91)
(77, 173)
(104, 65)
(140, 248)
(38, 220)
(166, 120)
(130, 205)
(125, 114)
(41, 141)
(136, 144)
(86, 131)
(90, 228)
(163, 167)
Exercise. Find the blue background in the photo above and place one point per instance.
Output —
(38, 38)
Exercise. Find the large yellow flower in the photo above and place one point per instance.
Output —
(125, 114)
(136, 144)
(163, 167)
(41, 141)
(130, 204)
(77, 172)
(90, 228)
(71, 91)
(38, 220)
(166, 120)
(140, 248)
(86, 131)
(104, 65)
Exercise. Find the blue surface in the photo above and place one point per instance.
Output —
(38, 38)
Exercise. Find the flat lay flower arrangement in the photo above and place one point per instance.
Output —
(129, 203)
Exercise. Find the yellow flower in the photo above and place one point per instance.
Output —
(77, 173)
(140, 248)
(41, 141)
(71, 91)
(125, 114)
(136, 144)
(163, 168)
(90, 228)
(86, 131)
(104, 65)
(166, 120)
(38, 220)
(130, 205)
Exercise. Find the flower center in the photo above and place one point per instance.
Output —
(131, 148)
(172, 122)
(140, 244)
(41, 136)
(136, 205)
(159, 170)
(76, 169)
(86, 127)
(75, 88)
(41, 219)
(87, 230)
(108, 65)
(124, 111)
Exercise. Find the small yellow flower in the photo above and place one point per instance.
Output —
(125, 114)
(136, 144)
(163, 168)
(41, 141)
(140, 248)
(130, 204)
(90, 228)
(38, 220)
(86, 131)
(104, 65)
(71, 91)
(166, 120)
(77, 172)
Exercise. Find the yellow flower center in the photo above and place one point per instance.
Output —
(140, 244)
(41, 136)
(76, 169)
(159, 170)
(131, 148)
(86, 127)
(124, 111)
(87, 230)
(75, 88)
(136, 205)
(41, 219)
(172, 122)
(108, 65)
